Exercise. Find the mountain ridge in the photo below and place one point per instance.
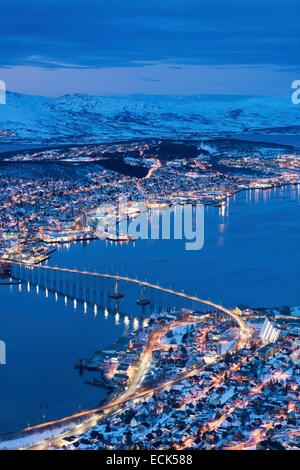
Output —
(86, 117)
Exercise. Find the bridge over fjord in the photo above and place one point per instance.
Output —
(103, 288)
(105, 291)
(65, 280)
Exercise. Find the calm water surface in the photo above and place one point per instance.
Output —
(251, 256)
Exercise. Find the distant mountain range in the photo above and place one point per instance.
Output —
(81, 117)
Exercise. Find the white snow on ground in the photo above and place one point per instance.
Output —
(176, 338)
(296, 311)
(227, 395)
(106, 118)
(226, 346)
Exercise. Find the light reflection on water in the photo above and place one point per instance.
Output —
(250, 252)
(45, 335)
(250, 256)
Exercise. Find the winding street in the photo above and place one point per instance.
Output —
(39, 437)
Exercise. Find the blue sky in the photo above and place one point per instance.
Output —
(167, 46)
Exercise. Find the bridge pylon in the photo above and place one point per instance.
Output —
(142, 300)
(116, 294)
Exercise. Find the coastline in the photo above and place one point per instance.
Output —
(81, 238)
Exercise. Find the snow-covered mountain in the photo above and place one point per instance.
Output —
(80, 117)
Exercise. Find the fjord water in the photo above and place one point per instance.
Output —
(250, 256)
(44, 339)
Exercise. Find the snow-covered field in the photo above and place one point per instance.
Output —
(296, 311)
(80, 117)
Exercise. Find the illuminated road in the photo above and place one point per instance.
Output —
(258, 434)
(134, 389)
(103, 412)
(69, 426)
(153, 168)
(145, 362)
(245, 331)
(134, 393)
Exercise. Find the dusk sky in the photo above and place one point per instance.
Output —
(52, 47)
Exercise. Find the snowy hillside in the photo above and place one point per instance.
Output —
(80, 117)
